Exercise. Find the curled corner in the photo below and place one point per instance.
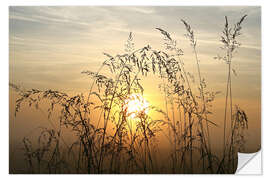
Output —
(249, 163)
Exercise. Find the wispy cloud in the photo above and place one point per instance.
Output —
(68, 35)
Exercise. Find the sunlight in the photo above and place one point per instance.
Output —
(135, 105)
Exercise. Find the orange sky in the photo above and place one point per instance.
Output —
(49, 47)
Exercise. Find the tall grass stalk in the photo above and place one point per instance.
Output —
(229, 40)
(190, 35)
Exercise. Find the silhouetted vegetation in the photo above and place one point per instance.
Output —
(109, 140)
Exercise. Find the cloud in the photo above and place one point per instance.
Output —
(43, 36)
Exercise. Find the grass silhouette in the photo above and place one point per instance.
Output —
(111, 142)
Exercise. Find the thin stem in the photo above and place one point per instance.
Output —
(190, 146)
(204, 110)
(226, 102)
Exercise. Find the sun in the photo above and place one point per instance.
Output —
(135, 105)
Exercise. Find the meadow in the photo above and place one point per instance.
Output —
(115, 130)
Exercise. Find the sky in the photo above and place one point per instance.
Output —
(49, 47)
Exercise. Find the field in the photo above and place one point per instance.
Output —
(113, 127)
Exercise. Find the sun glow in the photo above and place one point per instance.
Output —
(135, 105)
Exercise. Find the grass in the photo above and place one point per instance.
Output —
(110, 142)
